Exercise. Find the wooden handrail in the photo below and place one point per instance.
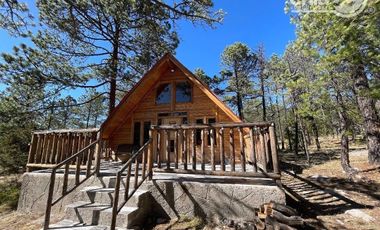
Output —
(215, 125)
(67, 131)
(146, 159)
(91, 150)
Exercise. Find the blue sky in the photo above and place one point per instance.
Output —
(249, 21)
(252, 22)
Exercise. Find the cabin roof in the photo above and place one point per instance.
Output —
(130, 101)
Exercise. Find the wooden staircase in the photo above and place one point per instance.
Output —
(93, 208)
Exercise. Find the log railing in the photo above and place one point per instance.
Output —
(88, 154)
(49, 148)
(143, 155)
(231, 149)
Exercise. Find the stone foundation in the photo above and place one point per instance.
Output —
(174, 195)
(211, 197)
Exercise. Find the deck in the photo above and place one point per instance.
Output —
(215, 152)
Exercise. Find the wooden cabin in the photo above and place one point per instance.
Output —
(169, 122)
(188, 123)
(169, 94)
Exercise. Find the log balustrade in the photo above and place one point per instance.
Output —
(232, 149)
(49, 148)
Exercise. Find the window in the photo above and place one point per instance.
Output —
(136, 134)
(164, 93)
(184, 120)
(183, 92)
(146, 131)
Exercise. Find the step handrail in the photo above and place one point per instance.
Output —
(143, 152)
(91, 150)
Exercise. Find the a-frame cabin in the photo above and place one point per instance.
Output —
(169, 94)
(169, 122)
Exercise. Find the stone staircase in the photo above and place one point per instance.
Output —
(93, 208)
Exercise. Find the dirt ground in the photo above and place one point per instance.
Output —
(361, 193)
(324, 174)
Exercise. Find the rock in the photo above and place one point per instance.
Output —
(360, 214)
(242, 225)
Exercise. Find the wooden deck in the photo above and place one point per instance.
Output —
(225, 150)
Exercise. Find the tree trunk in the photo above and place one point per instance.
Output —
(286, 120)
(316, 133)
(304, 140)
(296, 140)
(88, 115)
(368, 111)
(280, 125)
(240, 106)
(114, 69)
(263, 96)
(344, 124)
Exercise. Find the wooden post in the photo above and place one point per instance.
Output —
(253, 150)
(32, 150)
(65, 178)
(115, 205)
(38, 149)
(49, 200)
(77, 169)
(221, 144)
(143, 163)
(150, 154)
(44, 148)
(203, 149)
(53, 149)
(167, 143)
(136, 172)
(212, 149)
(176, 149)
(63, 147)
(48, 148)
(184, 149)
(97, 153)
(272, 136)
(57, 149)
(242, 150)
(158, 149)
(263, 150)
(89, 161)
(232, 149)
(127, 182)
(193, 150)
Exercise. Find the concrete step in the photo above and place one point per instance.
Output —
(100, 214)
(110, 181)
(96, 194)
(69, 224)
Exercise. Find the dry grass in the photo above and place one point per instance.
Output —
(20, 221)
(182, 223)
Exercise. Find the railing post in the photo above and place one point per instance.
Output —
(32, 150)
(97, 154)
(115, 204)
(49, 200)
(150, 155)
(273, 144)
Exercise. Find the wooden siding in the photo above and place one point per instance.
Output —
(201, 107)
